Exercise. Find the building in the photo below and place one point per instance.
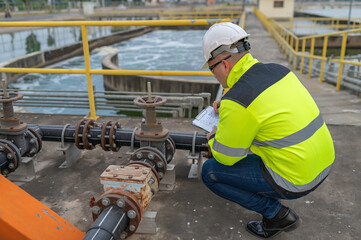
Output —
(276, 8)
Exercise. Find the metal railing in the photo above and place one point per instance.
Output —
(88, 71)
(178, 104)
(323, 22)
(290, 44)
(200, 14)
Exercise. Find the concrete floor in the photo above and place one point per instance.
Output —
(191, 211)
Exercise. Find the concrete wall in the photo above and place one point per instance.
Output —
(46, 58)
(159, 83)
(267, 7)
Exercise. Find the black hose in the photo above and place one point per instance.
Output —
(111, 222)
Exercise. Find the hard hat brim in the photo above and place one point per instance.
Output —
(205, 65)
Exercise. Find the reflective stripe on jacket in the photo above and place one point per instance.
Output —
(268, 111)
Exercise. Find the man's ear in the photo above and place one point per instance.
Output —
(228, 65)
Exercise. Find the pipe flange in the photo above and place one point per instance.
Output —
(122, 199)
(151, 154)
(104, 143)
(169, 149)
(88, 125)
(12, 154)
(34, 146)
(145, 164)
(38, 137)
(78, 135)
(112, 134)
(108, 135)
(145, 102)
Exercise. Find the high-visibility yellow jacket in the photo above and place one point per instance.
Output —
(268, 111)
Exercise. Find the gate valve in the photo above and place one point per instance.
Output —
(8, 122)
(150, 128)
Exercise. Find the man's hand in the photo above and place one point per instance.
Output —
(216, 105)
(211, 133)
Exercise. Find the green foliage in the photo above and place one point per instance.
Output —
(32, 43)
(50, 40)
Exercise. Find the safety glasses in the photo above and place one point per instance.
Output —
(214, 65)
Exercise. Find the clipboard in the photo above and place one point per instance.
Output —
(206, 119)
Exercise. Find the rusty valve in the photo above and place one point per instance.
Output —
(128, 187)
(146, 102)
(9, 121)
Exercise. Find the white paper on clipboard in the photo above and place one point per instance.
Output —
(206, 119)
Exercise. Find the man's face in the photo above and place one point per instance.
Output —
(219, 67)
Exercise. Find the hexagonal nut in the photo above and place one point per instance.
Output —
(105, 201)
(131, 214)
(96, 210)
(120, 203)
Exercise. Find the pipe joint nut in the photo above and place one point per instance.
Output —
(131, 214)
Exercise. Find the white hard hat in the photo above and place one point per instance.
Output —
(221, 34)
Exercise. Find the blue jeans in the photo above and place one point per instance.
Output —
(243, 183)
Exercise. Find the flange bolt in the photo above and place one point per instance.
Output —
(131, 214)
(151, 181)
(151, 156)
(9, 156)
(139, 155)
(2, 148)
(105, 201)
(160, 164)
(11, 166)
(123, 235)
(132, 228)
(96, 210)
(5, 172)
(120, 203)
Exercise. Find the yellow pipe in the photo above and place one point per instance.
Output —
(303, 52)
(342, 56)
(296, 56)
(311, 55)
(324, 50)
(112, 23)
(108, 72)
(43, 70)
(88, 75)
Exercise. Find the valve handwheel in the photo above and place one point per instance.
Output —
(154, 101)
(12, 96)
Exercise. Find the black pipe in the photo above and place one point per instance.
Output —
(111, 222)
(123, 136)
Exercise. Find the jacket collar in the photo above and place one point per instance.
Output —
(242, 66)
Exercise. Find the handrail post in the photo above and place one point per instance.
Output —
(303, 53)
(296, 55)
(287, 43)
(342, 56)
(324, 50)
(290, 54)
(283, 39)
(88, 75)
(311, 57)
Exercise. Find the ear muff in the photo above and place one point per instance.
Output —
(244, 47)
(247, 45)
